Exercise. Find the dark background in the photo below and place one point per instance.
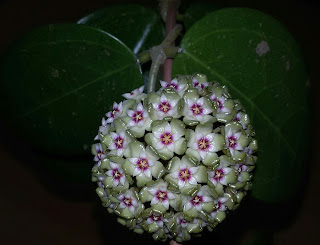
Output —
(38, 209)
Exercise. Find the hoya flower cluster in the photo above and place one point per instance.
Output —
(174, 161)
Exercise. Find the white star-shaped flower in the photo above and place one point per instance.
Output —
(173, 84)
(161, 195)
(117, 174)
(166, 138)
(185, 174)
(142, 165)
(138, 117)
(204, 144)
(165, 107)
(115, 113)
(119, 142)
(232, 141)
(134, 94)
(196, 110)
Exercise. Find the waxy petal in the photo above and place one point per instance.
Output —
(157, 134)
(175, 174)
(170, 147)
(192, 181)
(237, 135)
(132, 209)
(193, 170)
(159, 145)
(188, 205)
(163, 84)
(163, 98)
(170, 195)
(133, 160)
(226, 170)
(140, 107)
(223, 180)
(147, 173)
(167, 129)
(122, 205)
(160, 223)
(181, 183)
(165, 203)
(113, 165)
(131, 123)
(200, 101)
(136, 171)
(198, 207)
(115, 182)
(206, 199)
(122, 180)
(203, 154)
(131, 113)
(113, 135)
(153, 190)
(154, 200)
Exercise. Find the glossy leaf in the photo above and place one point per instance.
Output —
(60, 80)
(197, 11)
(138, 27)
(260, 62)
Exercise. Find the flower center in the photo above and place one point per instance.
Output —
(218, 173)
(217, 206)
(138, 116)
(197, 109)
(184, 174)
(166, 138)
(155, 218)
(172, 85)
(196, 200)
(127, 201)
(183, 221)
(164, 106)
(162, 196)
(116, 174)
(220, 104)
(100, 153)
(143, 164)
(232, 141)
(240, 169)
(119, 142)
(203, 143)
(115, 110)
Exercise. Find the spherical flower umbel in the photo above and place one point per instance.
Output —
(175, 161)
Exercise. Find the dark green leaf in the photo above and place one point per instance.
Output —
(60, 80)
(261, 238)
(197, 11)
(138, 27)
(260, 62)
(76, 171)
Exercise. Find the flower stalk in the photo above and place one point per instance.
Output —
(159, 53)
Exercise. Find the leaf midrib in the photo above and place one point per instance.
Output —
(254, 106)
(75, 90)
